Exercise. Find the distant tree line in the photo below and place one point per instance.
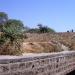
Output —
(40, 29)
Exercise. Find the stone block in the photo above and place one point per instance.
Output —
(4, 68)
(28, 64)
(14, 67)
(22, 66)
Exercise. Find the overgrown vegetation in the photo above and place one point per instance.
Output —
(11, 35)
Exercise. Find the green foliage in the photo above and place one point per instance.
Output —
(45, 29)
(50, 30)
(2, 40)
(41, 29)
(35, 30)
(13, 29)
(12, 35)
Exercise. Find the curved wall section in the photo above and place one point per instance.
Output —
(39, 64)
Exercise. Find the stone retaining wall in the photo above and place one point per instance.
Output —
(44, 64)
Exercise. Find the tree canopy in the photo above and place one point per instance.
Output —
(12, 33)
(45, 29)
(41, 29)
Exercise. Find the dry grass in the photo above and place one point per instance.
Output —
(44, 43)
(48, 42)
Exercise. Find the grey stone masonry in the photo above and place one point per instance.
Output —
(59, 63)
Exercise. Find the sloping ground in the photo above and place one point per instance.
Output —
(68, 39)
(39, 47)
(48, 42)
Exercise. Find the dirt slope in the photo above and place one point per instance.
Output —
(48, 42)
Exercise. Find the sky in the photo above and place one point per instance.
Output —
(56, 14)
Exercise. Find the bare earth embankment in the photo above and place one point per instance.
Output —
(49, 42)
